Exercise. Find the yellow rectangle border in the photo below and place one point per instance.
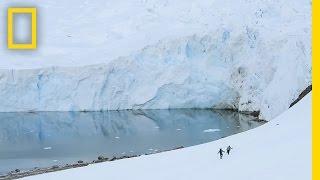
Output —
(16, 10)
(315, 71)
(315, 90)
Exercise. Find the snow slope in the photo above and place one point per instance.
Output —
(285, 153)
(149, 54)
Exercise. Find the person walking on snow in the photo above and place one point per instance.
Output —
(229, 149)
(221, 153)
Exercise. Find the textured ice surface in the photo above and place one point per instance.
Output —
(248, 55)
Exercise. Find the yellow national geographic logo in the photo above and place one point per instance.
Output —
(19, 10)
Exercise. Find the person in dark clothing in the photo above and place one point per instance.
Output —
(221, 153)
(229, 149)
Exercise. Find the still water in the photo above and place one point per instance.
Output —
(44, 139)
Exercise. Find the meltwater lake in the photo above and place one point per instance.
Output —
(44, 139)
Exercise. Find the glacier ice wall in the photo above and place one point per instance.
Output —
(209, 71)
(249, 55)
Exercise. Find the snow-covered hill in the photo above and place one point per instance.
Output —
(249, 55)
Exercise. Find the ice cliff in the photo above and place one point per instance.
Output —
(249, 56)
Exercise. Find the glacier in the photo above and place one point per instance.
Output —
(257, 59)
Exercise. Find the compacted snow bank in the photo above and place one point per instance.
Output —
(279, 150)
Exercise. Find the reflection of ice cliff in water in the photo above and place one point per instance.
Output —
(30, 131)
(37, 128)
(221, 118)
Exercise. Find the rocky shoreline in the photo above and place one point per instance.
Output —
(16, 174)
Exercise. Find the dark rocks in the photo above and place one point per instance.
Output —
(80, 161)
(180, 147)
(101, 158)
(259, 120)
(113, 159)
(255, 113)
(303, 93)
(55, 167)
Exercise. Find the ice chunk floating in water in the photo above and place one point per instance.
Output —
(29, 140)
(211, 130)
